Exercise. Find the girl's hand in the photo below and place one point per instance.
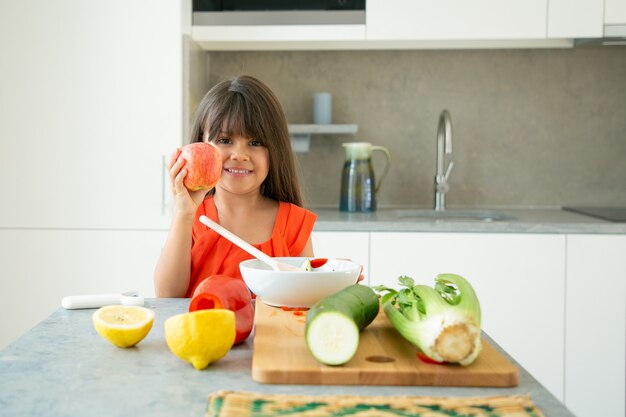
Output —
(361, 277)
(186, 201)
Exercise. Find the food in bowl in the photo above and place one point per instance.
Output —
(298, 288)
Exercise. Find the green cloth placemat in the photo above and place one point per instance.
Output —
(251, 404)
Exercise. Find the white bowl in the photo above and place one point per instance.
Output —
(297, 288)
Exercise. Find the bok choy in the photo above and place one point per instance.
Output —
(444, 321)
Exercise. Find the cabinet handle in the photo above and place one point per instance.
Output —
(163, 185)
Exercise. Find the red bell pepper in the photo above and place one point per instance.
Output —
(422, 356)
(222, 291)
(285, 308)
(318, 262)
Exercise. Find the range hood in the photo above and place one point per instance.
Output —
(278, 12)
(614, 35)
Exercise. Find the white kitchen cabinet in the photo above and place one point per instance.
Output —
(575, 18)
(455, 19)
(349, 245)
(91, 103)
(614, 12)
(417, 24)
(39, 267)
(274, 37)
(595, 355)
(519, 278)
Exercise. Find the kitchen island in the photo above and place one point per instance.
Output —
(62, 367)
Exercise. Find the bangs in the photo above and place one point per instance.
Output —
(232, 117)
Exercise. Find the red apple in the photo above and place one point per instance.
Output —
(203, 165)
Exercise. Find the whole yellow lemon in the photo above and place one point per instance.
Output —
(202, 336)
(124, 326)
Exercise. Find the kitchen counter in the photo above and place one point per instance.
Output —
(541, 221)
(63, 368)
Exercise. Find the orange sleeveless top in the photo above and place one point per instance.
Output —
(212, 254)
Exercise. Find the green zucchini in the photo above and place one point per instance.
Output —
(334, 323)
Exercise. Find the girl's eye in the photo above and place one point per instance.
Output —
(222, 140)
(255, 142)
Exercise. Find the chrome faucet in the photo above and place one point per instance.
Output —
(444, 146)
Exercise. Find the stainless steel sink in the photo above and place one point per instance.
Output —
(453, 214)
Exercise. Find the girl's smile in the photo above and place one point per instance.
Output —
(238, 171)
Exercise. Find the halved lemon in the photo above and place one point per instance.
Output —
(124, 326)
(201, 337)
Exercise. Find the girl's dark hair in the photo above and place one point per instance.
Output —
(244, 106)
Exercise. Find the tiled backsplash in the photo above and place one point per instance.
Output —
(531, 128)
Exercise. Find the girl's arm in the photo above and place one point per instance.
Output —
(173, 269)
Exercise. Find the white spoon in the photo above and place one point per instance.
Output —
(276, 265)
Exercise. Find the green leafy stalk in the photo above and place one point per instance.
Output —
(444, 321)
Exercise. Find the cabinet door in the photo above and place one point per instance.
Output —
(455, 19)
(614, 12)
(519, 280)
(39, 268)
(349, 245)
(91, 102)
(595, 355)
(251, 36)
(575, 18)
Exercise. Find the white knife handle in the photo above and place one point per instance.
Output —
(90, 301)
(130, 298)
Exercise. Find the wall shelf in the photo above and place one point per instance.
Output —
(301, 133)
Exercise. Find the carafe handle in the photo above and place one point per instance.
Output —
(387, 164)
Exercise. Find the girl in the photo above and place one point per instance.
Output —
(257, 197)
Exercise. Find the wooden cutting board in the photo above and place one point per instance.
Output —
(280, 356)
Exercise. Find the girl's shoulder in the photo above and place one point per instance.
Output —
(289, 213)
(294, 225)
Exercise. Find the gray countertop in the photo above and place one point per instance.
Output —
(63, 368)
(541, 221)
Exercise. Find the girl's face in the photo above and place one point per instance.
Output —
(245, 164)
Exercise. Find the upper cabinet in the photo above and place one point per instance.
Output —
(575, 18)
(614, 15)
(455, 19)
(276, 37)
(427, 24)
